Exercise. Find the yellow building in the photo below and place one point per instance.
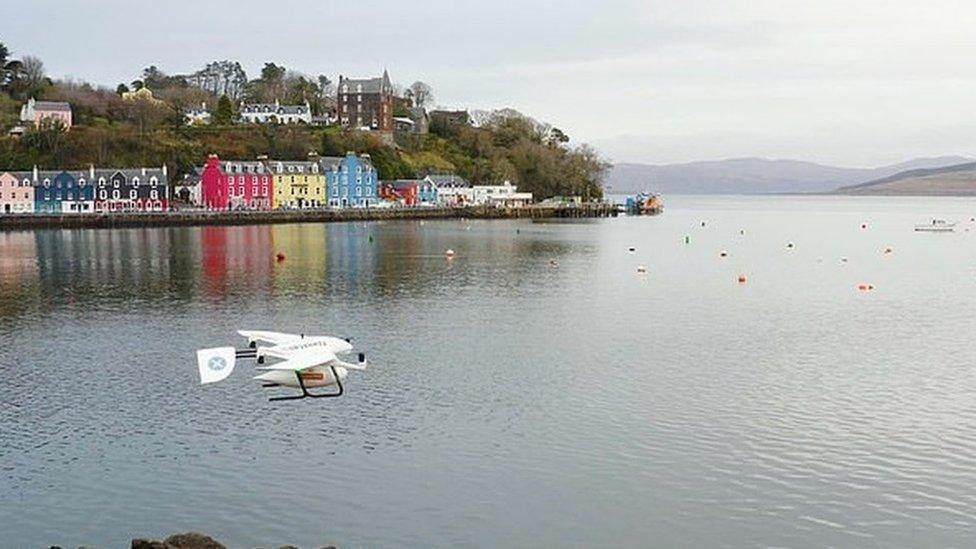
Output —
(297, 184)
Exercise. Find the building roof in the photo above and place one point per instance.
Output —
(380, 84)
(128, 173)
(273, 108)
(448, 180)
(293, 166)
(242, 166)
(52, 106)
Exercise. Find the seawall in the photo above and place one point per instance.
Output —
(189, 218)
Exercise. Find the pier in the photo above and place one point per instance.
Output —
(199, 217)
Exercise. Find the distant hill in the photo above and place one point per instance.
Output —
(755, 176)
(958, 180)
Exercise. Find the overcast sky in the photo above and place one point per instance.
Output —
(856, 82)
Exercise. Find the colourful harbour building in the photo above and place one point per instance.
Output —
(16, 194)
(352, 181)
(128, 190)
(236, 185)
(298, 184)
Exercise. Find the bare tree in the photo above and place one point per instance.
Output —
(420, 93)
(33, 71)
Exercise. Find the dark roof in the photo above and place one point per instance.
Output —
(51, 106)
(297, 166)
(271, 108)
(448, 180)
(369, 85)
(129, 173)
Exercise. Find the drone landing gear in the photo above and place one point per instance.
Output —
(305, 393)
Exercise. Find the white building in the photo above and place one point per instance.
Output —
(502, 195)
(198, 116)
(276, 113)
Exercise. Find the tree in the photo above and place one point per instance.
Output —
(225, 111)
(420, 93)
(221, 78)
(122, 88)
(556, 137)
(153, 78)
(137, 85)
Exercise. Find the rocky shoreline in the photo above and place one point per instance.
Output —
(188, 540)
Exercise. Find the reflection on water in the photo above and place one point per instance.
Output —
(511, 401)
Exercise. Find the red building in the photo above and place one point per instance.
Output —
(236, 185)
(404, 191)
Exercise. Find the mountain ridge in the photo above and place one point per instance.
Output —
(755, 175)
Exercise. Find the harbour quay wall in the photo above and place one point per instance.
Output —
(17, 222)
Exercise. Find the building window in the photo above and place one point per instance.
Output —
(115, 193)
(133, 194)
(135, 181)
(153, 181)
(154, 194)
(81, 182)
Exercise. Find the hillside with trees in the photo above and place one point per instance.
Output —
(111, 131)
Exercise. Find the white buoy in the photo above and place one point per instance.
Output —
(449, 252)
(641, 269)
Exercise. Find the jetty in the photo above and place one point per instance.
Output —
(17, 222)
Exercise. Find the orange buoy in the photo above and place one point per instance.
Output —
(280, 257)
(742, 279)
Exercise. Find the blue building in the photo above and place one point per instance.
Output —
(427, 191)
(62, 192)
(350, 181)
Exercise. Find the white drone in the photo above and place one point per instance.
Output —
(305, 361)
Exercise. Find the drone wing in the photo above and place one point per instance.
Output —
(215, 364)
(302, 359)
(274, 338)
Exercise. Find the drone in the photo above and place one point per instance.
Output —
(300, 362)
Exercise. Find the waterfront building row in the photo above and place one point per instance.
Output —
(339, 182)
(96, 190)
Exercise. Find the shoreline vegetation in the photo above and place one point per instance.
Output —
(258, 217)
(114, 127)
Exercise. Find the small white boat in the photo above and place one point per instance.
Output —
(936, 226)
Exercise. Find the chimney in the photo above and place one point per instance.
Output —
(143, 171)
(165, 172)
(35, 172)
(91, 172)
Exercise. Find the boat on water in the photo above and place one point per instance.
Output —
(936, 226)
(644, 204)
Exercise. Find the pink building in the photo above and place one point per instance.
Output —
(232, 184)
(39, 111)
(16, 194)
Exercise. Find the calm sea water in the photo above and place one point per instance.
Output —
(510, 401)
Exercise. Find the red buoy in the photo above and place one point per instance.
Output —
(280, 257)
(743, 279)
(865, 287)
